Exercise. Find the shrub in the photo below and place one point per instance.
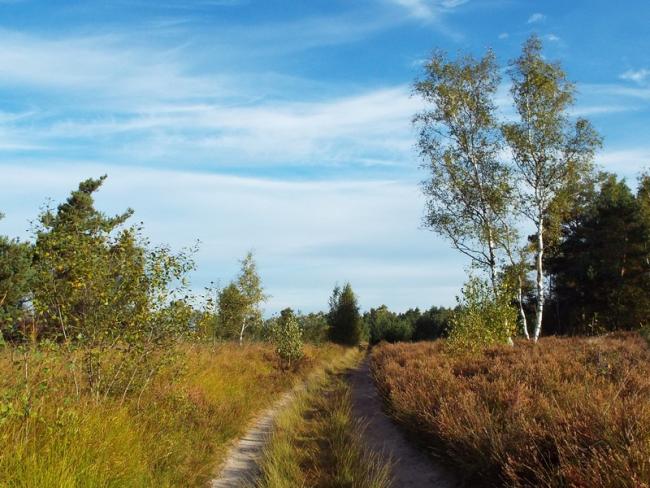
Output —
(287, 336)
(482, 319)
(569, 412)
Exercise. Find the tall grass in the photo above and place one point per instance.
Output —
(318, 443)
(173, 433)
(567, 412)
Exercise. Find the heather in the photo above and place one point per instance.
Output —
(563, 412)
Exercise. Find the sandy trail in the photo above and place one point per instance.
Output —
(241, 468)
(411, 468)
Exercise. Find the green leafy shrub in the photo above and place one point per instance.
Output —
(287, 337)
(482, 318)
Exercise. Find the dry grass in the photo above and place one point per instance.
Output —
(567, 412)
(173, 435)
(317, 443)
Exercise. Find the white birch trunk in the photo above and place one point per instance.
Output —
(241, 333)
(522, 313)
(540, 278)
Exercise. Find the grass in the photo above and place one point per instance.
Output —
(567, 412)
(317, 443)
(174, 434)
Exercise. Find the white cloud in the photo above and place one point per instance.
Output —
(536, 18)
(638, 76)
(504, 35)
(628, 163)
(552, 38)
(102, 66)
(370, 128)
(428, 9)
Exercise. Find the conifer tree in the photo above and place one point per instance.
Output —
(344, 318)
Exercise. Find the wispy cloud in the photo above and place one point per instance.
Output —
(626, 162)
(639, 76)
(536, 18)
(428, 9)
(368, 128)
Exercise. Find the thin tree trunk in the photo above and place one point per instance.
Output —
(241, 334)
(522, 313)
(540, 278)
(493, 264)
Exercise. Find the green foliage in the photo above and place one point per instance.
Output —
(432, 324)
(385, 325)
(15, 283)
(482, 319)
(600, 267)
(469, 192)
(314, 326)
(101, 286)
(287, 336)
(232, 311)
(239, 304)
(344, 318)
(552, 156)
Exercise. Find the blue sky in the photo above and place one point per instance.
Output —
(283, 127)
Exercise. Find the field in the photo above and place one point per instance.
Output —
(566, 412)
(172, 433)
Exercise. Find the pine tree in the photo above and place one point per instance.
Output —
(344, 318)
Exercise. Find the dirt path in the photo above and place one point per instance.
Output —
(241, 468)
(411, 467)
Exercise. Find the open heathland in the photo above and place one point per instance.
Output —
(564, 412)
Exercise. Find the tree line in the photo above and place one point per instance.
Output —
(93, 285)
(559, 241)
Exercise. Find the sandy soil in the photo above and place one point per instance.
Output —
(241, 468)
(411, 468)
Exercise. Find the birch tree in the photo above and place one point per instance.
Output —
(249, 284)
(549, 152)
(468, 191)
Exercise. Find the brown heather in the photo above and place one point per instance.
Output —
(565, 412)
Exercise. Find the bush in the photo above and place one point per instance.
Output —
(287, 336)
(563, 412)
(481, 318)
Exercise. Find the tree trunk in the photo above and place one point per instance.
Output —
(493, 262)
(522, 313)
(241, 333)
(539, 311)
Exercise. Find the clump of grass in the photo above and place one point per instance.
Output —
(566, 412)
(317, 442)
(172, 433)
